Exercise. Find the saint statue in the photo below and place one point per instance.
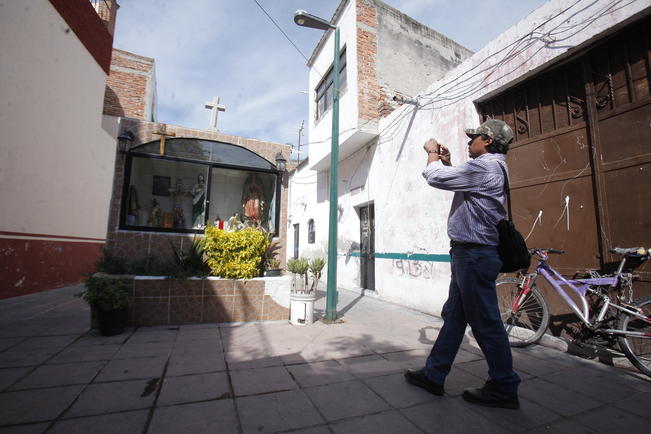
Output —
(252, 200)
(178, 193)
(154, 214)
(198, 193)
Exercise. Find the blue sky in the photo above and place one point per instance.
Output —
(230, 48)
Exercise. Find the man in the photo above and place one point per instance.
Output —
(476, 209)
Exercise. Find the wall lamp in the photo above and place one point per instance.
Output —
(281, 162)
(125, 139)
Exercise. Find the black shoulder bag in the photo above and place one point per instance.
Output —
(512, 248)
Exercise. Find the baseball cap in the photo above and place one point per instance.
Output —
(493, 128)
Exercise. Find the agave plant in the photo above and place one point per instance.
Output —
(316, 267)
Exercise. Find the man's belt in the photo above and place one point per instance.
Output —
(466, 245)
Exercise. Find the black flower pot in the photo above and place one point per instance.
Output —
(111, 322)
(272, 272)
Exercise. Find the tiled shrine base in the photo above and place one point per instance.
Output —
(160, 301)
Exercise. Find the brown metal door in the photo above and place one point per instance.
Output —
(579, 162)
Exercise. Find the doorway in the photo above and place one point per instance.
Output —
(296, 233)
(367, 246)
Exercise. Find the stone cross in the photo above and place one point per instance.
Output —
(214, 107)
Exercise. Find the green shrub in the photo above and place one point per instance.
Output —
(298, 266)
(192, 263)
(107, 294)
(111, 264)
(234, 255)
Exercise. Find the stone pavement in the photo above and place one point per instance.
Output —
(56, 376)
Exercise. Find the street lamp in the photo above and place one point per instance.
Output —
(304, 19)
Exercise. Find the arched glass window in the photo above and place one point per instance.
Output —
(198, 182)
(310, 231)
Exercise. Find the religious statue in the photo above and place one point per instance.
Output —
(178, 193)
(154, 214)
(133, 215)
(234, 223)
(252, 201)
(198, 193)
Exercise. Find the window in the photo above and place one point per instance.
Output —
(310, 231)
(198, 182)
(324, 88)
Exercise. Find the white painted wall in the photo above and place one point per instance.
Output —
(410, 216)
(56, 170)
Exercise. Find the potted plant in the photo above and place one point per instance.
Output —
(316, 267)
(298, 268)
(110, 300)
(272, 267)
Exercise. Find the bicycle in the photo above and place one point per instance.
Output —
(607, 310)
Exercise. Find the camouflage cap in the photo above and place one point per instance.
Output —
(493, 128)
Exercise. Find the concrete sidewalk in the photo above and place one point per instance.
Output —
(57, 377)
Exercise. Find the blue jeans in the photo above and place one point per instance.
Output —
(473, 301)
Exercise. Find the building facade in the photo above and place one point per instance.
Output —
(56, 169)
(573, 83)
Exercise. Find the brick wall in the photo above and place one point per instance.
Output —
(128, 84)
(369, 91)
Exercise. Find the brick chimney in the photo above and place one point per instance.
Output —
(107, 11)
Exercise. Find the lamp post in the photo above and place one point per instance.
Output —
(304, 19)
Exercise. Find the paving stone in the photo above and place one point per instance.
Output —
(198, 346)
(151, 349)
(637, 403)
(609, 419)
(6, 343)
(321, 429)
(530, 415)
(240, 360)
(59, 342)
(275, 412)
(37, 405)
(18, 358)
(23, 330)
(85, 353)
(35, 428)
(450, 415)
(341, 400)
(525, 363)
(93, 338)
(459, 380)
(370, 366)
(202, 417)
(60, 375)
(397, 392)
(112, 397)
(604, 389)
(559, 399)
(147, 335)
(127, 422)
(414, 359)
(386, 423)
(315, 374)
(132, 369)
(563, 426)
(9, 376)
(254, 381)
(199, 332)
(192, 364)
(191, 388)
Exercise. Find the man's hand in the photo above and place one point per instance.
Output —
(432, 148)
(444, 155)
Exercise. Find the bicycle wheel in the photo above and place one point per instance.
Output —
(637, 349)
(527, 325)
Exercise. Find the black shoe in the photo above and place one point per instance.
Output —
(489, 397)
(418, 378)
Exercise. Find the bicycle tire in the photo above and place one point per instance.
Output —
(637, 350)
(530, 322)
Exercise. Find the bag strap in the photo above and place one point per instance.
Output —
(507, 190)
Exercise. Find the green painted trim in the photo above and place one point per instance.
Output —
(408, 256)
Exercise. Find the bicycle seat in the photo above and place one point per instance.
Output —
(630, 251)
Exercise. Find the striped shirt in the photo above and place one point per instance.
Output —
(478, 199)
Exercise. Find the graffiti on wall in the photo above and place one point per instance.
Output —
(413, 268)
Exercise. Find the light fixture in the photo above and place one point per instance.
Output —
(304, 19)
(125, 139)
(281, 162)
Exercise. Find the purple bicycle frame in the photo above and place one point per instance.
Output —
(577, 286)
